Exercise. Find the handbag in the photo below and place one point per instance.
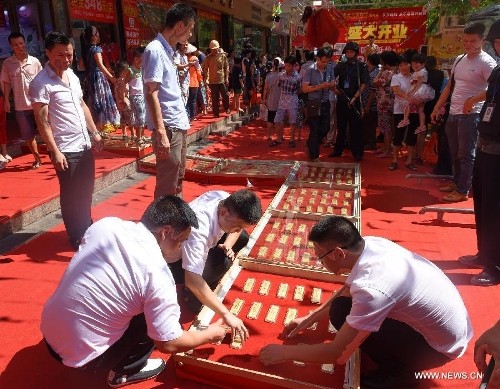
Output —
(313, 108)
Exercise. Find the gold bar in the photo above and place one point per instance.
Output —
(323, 201)
(254, 310)
(277, 253)
(236, 307)
(283, 239)
(302, 228)
(348, 195)
(316, 296)
(303, 191)
(320, 209)
(262, 252)
(289, 227)
(264, 287)
(282, 291)
(306, 257)
(343, 211)
(345, 203)
(276, 225)
(296, 241)
(334, 202)
(309, 208)
(249, 284)
(329, 209)
(315, 192)
(286, 206)
(272, 314)
(336, 194)
(270, 237)
(298, 294)
(290, 257)
(291, 314)
(237, 342)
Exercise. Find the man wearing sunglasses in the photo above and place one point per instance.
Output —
(397, 307)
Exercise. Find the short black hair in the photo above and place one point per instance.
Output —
(325, 51)
(245, 205)
(120, 67)
(179, 12)
(169, 211)
(14, 35)
(404, 58)
(431, 62)
(374, 59)
(290, 59)
(337, 230)
(389, 58)
(309, 55)
(419, 58)
(56, 38)
(475, 28)
(138, 51)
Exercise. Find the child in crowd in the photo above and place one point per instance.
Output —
(236, 83)
(419, 94)
(136, 93)
(123, 74)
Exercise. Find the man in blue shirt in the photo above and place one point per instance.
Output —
(165, 111)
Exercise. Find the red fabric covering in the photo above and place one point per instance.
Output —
(262, 332)
(390, 206)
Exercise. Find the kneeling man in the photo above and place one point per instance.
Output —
(397, 307)
(117, 299)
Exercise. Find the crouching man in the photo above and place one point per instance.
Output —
(117, 299)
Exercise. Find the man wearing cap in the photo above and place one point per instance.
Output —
(216, 70)
(352, 79)
(166, 113)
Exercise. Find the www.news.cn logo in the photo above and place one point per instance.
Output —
(448, 375)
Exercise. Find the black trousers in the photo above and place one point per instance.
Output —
(126, 356)
(318, 128)
(191, 103)
(217, 91)
(347, 116)
(76, 185)
(396, 347)
(217, 263)
(486, 187)
(370, 123)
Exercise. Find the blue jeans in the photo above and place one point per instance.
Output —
(462, 134)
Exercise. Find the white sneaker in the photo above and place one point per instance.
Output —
(152, 369)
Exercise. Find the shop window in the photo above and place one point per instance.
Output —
(207, 30)
(28, 25)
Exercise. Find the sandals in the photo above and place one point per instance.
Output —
(411, 166)
(274, 143)
(403, 123)
(393, 166)
(420, 129)
(36, 164)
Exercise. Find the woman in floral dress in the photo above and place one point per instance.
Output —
(100, 98)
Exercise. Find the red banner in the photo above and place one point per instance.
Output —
(395, 29)
(93, 10)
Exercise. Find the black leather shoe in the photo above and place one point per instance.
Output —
(485, 279)
(471, 260)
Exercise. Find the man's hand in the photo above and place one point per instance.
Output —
(228, 251)
(162, 145)
(216, 332)
(272, 354)
(295, 326)
(468, 105)
(7, 105)
(237, 326)
(59, 161)
(97, 142)
(434, 115)
(489, 343)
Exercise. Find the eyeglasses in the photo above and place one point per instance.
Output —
(326, 254)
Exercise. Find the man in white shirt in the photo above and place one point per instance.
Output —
(64, 122)
(470, 75)
(17, 73)
(210, 249)
(397, 307)
(117, 299)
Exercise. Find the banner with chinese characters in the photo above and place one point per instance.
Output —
(395, 29)
(102, 11)
(142, 20)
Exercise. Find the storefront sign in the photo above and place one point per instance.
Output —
(93, 10)
(394, 28)
(208, 15)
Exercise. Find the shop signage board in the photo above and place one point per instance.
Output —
(102, 11)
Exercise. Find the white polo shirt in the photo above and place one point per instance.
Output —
(202, 239)
(389, 281)
(118, 273)
(404, 84)
(66, 117)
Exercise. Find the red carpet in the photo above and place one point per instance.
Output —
(390, 206)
